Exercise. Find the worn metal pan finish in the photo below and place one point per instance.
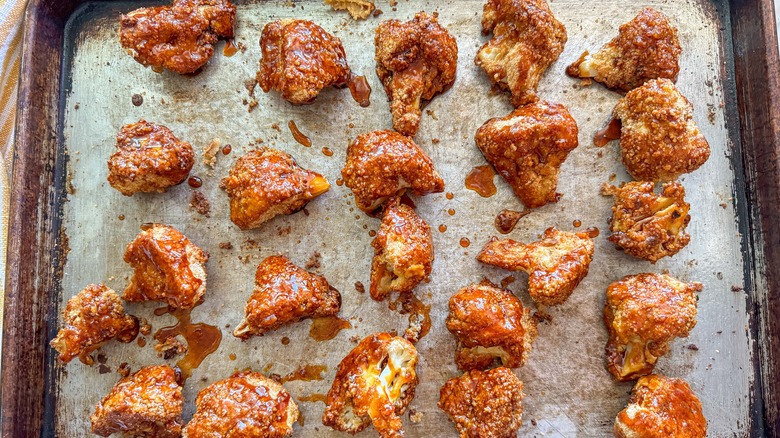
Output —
(65, 134)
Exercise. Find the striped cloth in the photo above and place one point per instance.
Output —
(11, 14)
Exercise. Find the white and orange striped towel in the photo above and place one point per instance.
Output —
(11, 17)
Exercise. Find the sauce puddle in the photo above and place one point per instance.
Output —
(507, 220)
(298, 135)
(306, 373)
(230, 48)
(480, 180)
(360, 90)
(202, 339)
(609, 133)
(314, 398)
(327, 327)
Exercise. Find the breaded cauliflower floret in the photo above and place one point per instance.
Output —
(267, 182)
(527, 39)
(649, 225)
(661, 407)
(659, 139)
(415, 60)
(147, 403)
(167, 267)
(643, 314)
(555, 265)
(645, 48)
(374, 384)
(247, 404)
(285, 293)
(91, 317)
(383, 164)
(528, 147)
(180, 37)
(149, 158)
(403, 251)
(300, 59)
(484, 404)
(491, 327)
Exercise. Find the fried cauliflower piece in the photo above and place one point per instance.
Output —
(491, 327)
(267, 182)
(643, 314)
(91, 317)
(285, 293)
(649, 225)
(149, 158)
(527, 39)
(528, 147)
(167, 266)
(484, 404)
(661, 407)
(180, 37)
(403, 251)
(414, 60)
(245, 405)
(147, 403)
(645, 48)
(374, 384)
(300, 59)
(659, 138)
(555, 265)
(383, 164)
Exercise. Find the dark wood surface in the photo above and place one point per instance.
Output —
(757, 74)
(33, 243)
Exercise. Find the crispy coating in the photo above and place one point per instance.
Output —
(645, 48)
(147, 403)
(643, 314)
(91, 317)
(527, 39)
(484, 404)
(528, 147)
(414, 60)
(245, 405)
(659, 138)
(167, 267)
(649, 225)
(555, 265)
(267, 182)
(300, 59)
(180, 37)
(374, 384)
(382, 164)
(403, 251)
(285, 293)
(491, 327)
(148, 158)
(358, 9)
(661, 407)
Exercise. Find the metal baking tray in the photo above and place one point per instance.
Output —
(69, 228)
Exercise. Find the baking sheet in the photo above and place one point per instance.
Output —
(568, 391)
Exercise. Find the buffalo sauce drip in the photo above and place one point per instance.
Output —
(230, 48)
(202, 339)
(360, 90)
(195, 182)
(592, 232)
(314, 398)
(465, 242)
(609, 133)
(306, 373)
(507, 220)
(298, 135)
(327, 327)
(480, 179)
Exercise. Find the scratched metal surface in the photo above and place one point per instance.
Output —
(568, 391)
